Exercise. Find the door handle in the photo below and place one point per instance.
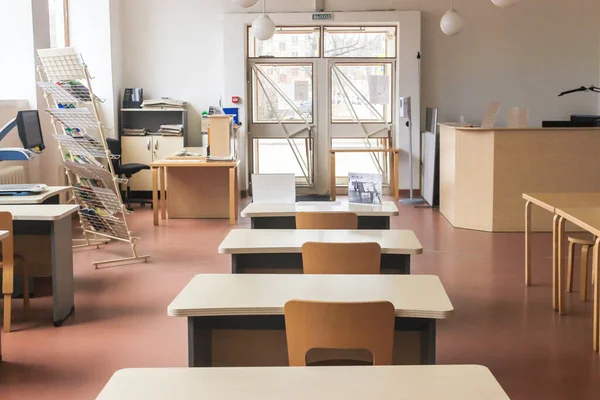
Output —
(148, 144)
(156, 144)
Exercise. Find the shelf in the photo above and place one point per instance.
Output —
(154, 110)
(62, 64)
(98, 198)
(90, 172)
(66, 92)
(104, 225)
(73, 118)
(84, 146)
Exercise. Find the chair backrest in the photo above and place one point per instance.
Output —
(8, 256)
(341, 258)
(326, 220)
(114, 146)
(320, 325)
(274, 188)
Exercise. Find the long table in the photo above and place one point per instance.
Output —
(197, 189)
(550, 202)
(587, 218)
(280, 250)
(50, 196)
(43, 235)
(283, 216)
(238, 320)
(448, 382)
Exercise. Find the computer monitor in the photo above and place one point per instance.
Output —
(30, 130)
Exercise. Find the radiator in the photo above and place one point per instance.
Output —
(12, 175)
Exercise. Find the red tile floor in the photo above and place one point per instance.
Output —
(121, 312)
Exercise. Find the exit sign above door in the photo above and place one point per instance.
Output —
(321, 17)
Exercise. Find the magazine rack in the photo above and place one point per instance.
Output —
(81, 139)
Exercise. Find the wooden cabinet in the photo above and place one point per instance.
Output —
(144, 150)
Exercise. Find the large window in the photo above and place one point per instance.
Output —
(353, 97)
(59, 23)
(283, 93)
(288, 42)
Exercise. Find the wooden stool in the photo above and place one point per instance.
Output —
(585, 248)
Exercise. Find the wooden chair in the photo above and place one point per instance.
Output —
(586, 245)
(349, 326)
(9, 262)
(341, 258)
(326, 220)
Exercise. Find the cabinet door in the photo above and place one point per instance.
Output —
(138, 150)
(165, 146)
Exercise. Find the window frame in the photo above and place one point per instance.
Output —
(316, 28)
(324, 30)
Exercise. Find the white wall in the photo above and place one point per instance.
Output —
(522, 56)
(90, 34)
(174, 49)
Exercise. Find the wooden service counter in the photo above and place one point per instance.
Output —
(484, 172)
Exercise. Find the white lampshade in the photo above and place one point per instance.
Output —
(245, 3)
(452, 22)
(505, 3)
(263, 27)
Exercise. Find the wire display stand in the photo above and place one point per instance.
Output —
(81, 139)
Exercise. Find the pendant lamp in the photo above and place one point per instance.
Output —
(245, 3)
(505, 3)
(263, 28)
(452, 22)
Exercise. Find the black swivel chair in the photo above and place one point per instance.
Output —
(126, 170)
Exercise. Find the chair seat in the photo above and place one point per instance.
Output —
(130, 169)
(583, 242)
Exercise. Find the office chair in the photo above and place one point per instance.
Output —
(126, 170)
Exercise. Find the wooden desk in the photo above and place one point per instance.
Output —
(280, 250)
(8, 273)
(50, 196)
(448, 382)
(198, 189)
(588, 219)
(283, 216)
(237, 320)
(395, 156)
(43, 234)
(549, 202)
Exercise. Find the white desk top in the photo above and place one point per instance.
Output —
(387, 209)
(416, 296)
(265, 241)
(4, 235)
(423, 382)
(40, 212)
(34, 198)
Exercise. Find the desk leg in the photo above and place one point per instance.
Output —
(63, 289)
(554, 261)
(559, 266)
(395, 184)
(596, 328)
(155, 205)
(527, 244)
(8, 276)
(332, 177)
(199, 344)
(232, 196)
(428, 343)
(163, 192)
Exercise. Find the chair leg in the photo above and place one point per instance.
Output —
(585, 249)
(570, 261)
(7, 312)
(25, 292)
